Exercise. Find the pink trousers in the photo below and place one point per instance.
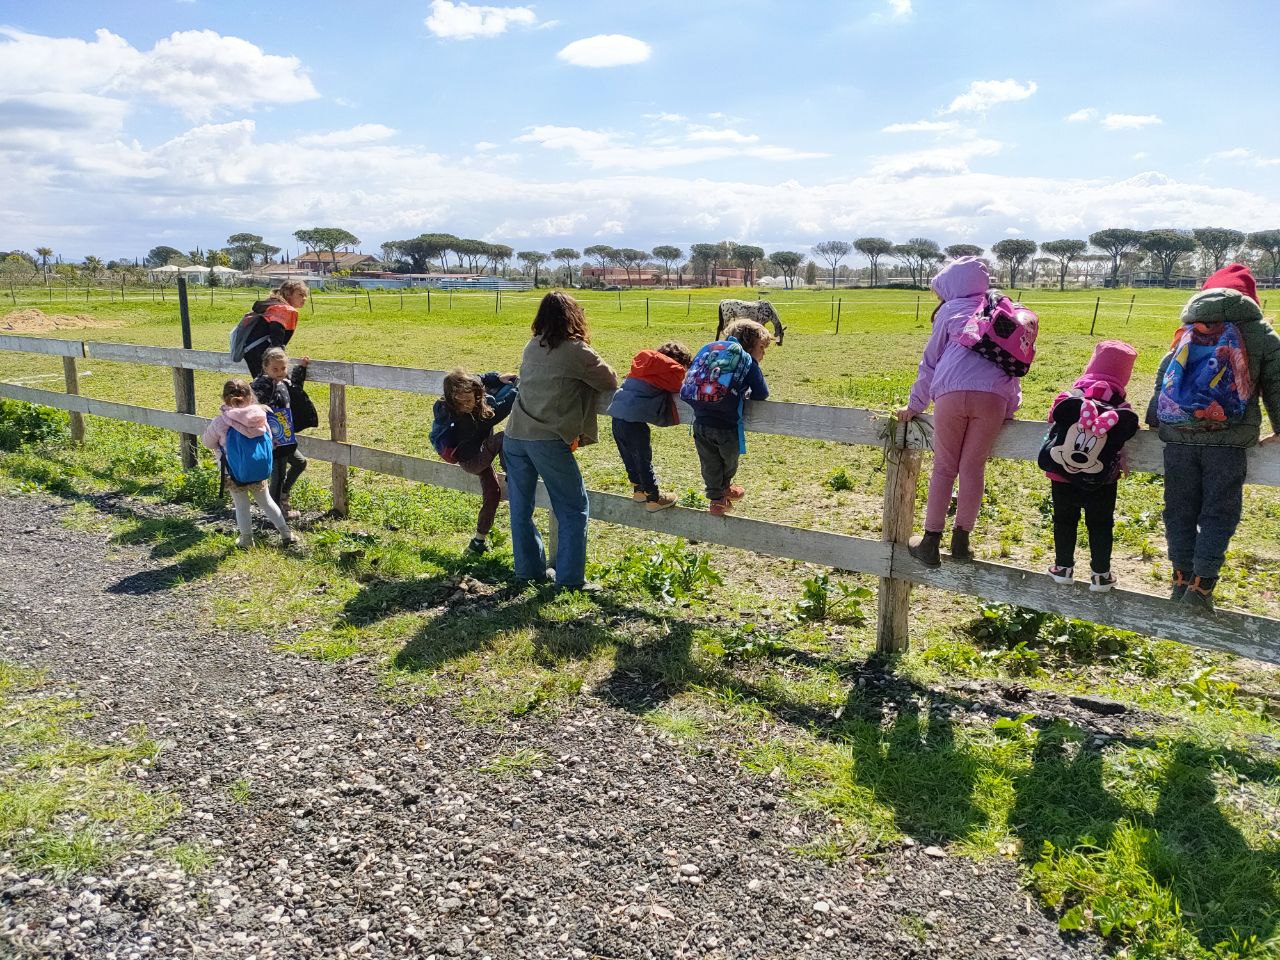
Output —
(965, 426)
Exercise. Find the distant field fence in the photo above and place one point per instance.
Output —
(887, 558)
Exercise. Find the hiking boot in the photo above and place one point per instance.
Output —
(287, 511)
(638, 495)
(1102, 582)
(960, 545)
(478, 545)
(1179, 587)
(720, 507)
(735, 492)
(244, 543)
(1200, 593)
(1063, 575)
(290, 540)
(927, 549)
(659, 501)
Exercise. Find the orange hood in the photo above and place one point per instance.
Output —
(658, 369)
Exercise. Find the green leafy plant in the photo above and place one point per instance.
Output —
(1205, 690)
(822, 599)
(665, 571)
(1013, 726)
(840, 480)
(1007, 624)
(747, 642)
(26, 425)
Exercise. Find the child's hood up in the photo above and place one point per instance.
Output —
(966, 277)
(250, 420)
(658, 369)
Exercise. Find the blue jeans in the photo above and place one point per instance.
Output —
(1203, 502)
(554, 463)
(635, 447)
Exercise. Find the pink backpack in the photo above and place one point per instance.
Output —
(1004, 332)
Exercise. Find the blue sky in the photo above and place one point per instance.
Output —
(550, 124)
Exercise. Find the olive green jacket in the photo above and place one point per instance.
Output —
(560, 392)
(1262, 347)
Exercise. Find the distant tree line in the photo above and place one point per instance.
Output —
(1162, 251)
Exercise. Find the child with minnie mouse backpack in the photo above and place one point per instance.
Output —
(1223, 366)
(1083, 457)
(981, 344)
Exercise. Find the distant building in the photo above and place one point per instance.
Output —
(324, 262)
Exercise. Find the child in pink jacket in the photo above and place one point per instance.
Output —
(971, 397)
(240, 412)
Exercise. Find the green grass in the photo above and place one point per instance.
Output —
(65, 805)
(1164, 841)
(519, 763)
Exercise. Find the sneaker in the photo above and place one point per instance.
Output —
(735, 492)
(659, 502)
(638, 495)
(1200, 593)
(720, 507)
(1063, 574)
(290, 539)
(478, 545)
(244, 544)
(1102, 582)
(1179, 587)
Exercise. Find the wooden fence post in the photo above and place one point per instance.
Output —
(72, 377)
(338, 432)
(184, 395)
(902, 471)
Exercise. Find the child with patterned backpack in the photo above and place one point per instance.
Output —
(648, 396)
(721, 378)
(1224, 360)
(281, 391)
(241, 440)
(462, 432)
(981, 344)
(1083, 457)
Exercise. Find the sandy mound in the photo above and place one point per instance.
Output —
(37, 321)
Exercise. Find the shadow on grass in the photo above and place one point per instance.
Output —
(193, 550)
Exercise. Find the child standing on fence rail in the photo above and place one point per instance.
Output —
(240, 438)
(462, 432)
(276, 389)
(722, 376)
(273, 322)
(648, 396)
(972, 397)
(1224, 359)
(1082, 456)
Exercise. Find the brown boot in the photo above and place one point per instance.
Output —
(927, 549)
(960, 545)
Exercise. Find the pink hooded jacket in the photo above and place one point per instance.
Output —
(947, 366)
(250, 420)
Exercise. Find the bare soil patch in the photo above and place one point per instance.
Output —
(34, 320)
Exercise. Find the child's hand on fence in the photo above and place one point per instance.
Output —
(304, 362)
(508, 378)
(906, 414)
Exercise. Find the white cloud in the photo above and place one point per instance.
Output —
(360, 133)
(605, 50)
(1129, 121)
(605, 149)
(1082, 115)
(985, 94)
(1140, 155)
(900, 8)
(949, 160)
(922, 126)
(463, 21)
(484, 146)
(666, 117)
(1243, 155)
(198, 71)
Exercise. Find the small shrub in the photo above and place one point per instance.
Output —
(26, 425)
(665, 571)
(823, 599)
(840, 480)
(1007, 625)
(747, 642)
(1205, 690)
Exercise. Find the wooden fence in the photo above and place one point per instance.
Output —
(887, 558)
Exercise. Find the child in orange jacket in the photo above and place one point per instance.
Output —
(648, 396)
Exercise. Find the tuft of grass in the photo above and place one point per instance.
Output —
(191, 857)
(680, 724)
(240, 791)
(519, 763)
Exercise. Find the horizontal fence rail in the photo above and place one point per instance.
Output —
(1234, 632)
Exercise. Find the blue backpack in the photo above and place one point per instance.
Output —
(1206, 384)
(717, 372)
(247, 459)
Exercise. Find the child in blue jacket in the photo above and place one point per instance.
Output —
(648, 396)
(462, 432)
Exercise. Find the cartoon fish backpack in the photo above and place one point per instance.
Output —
(1003, 332)
(1206, 384)
(1087, 432)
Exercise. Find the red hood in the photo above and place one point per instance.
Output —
(658, 369)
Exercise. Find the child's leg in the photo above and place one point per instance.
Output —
(986, 417)
(1066, 522)
(244, 518)
(1224, 473)
(526, 543)
(950, 421)
(642, 458)
(293, 469)
(711, 461)
(1100, 518)
(1183, 496)
(492, 496)
(267, 504)
(624, 438)
(279, 466)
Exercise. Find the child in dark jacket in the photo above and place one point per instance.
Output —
(721, 378)
(648, 396)
(1210, 390)
(462, 432)
(276, 389)
(1083, 457)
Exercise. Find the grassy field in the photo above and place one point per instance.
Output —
(1162, 837)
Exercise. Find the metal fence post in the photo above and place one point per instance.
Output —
(902, 472)
(338, 432)
(72, 377)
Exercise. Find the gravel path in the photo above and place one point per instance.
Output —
(370, 831)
